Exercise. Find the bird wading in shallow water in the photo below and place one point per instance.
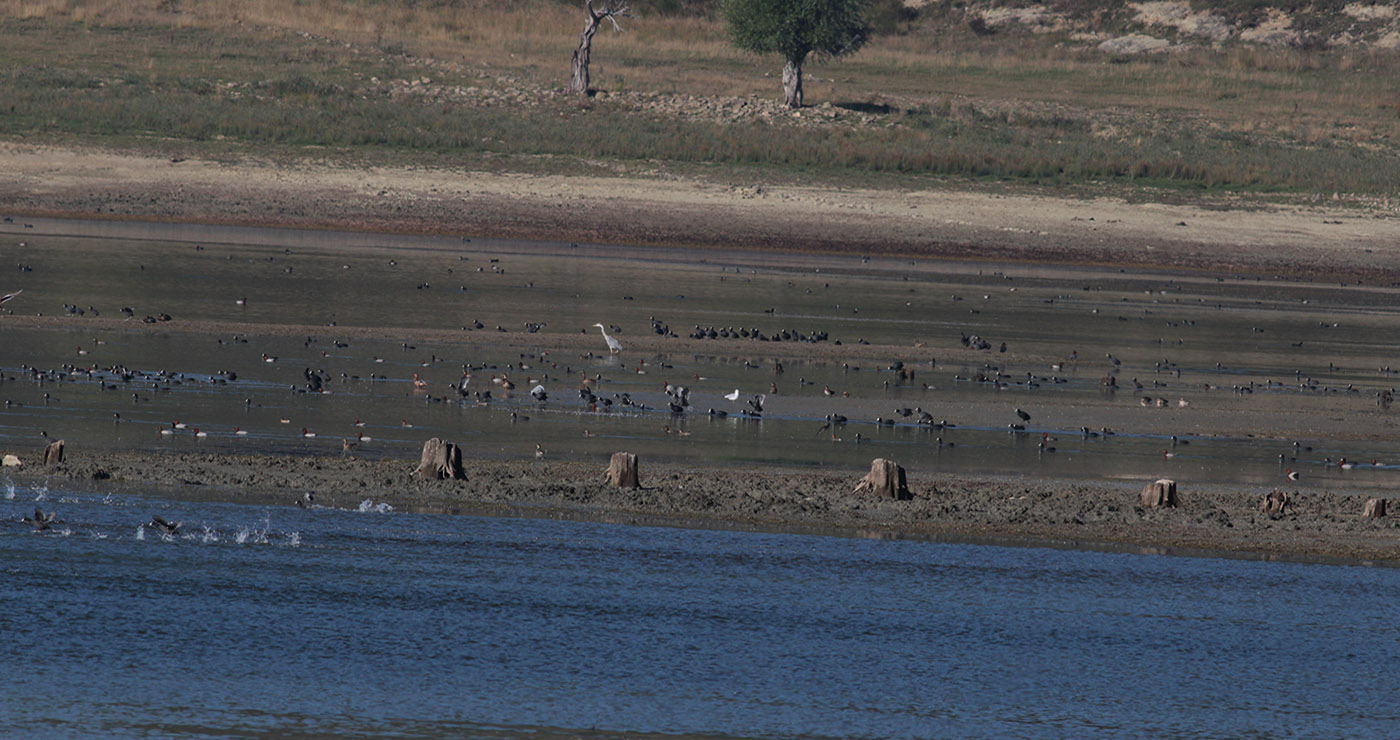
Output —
(614, 346)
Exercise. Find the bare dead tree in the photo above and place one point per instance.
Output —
(603, 9)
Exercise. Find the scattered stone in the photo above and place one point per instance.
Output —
(12, 461)
(1133, 45)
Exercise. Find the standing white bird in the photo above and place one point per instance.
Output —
(733, 396)
(614, 346)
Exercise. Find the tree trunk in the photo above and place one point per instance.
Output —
(792, 84)
(440, 460)
(578, 79)
(1159, 493)
(1276, 502)
(886, 477)
(53, 453)
(1375, 507)
(622, 471)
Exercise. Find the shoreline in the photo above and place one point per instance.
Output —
(1214, 521)
(1319, 239)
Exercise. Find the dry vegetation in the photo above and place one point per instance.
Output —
(478, 84)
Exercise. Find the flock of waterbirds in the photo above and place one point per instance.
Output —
(605, 387)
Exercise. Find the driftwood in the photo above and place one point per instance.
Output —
(1275, 502)
(886, 477)
(440, 460)
(1375, 507)
(53, 453)
(1160, 492)
(622, 471)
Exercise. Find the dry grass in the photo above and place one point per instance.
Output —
(1022, 108)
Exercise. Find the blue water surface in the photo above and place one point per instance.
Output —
(282, 622)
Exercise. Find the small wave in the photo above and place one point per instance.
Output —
(9, 490)
(69, 500)
(294, 539)
(368, 506)
(140, 531)
(247, 536)
(210, 536)
(40, 491)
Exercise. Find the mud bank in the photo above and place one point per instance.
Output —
(1214, 522)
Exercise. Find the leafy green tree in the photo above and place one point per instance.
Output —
(796, 29)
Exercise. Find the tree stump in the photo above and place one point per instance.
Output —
(1160, 492)
(1275, 502)
(886, 477)
(1375, 508)
(440, 460)
(622, 471)
(53, 453)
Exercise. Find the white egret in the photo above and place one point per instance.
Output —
(614, 346)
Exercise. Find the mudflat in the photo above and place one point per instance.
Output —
(1035, 508)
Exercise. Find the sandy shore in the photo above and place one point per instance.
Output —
(1322, 236)
(1215, 522)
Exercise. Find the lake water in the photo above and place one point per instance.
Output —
(282, 622)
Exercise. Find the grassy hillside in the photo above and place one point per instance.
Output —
(951, 93)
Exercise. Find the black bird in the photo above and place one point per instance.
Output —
(40, 520)
(164, 526)
(1023, 415)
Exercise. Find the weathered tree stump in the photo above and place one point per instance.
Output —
(1161, 492)
(1275, 502)
(440, 460)
(1375, 508)
(622, 471)
(53, 453)
(886, 477)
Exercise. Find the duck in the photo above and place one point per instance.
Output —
(41, 521)
(164, 526)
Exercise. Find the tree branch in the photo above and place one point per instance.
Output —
(612, 10)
